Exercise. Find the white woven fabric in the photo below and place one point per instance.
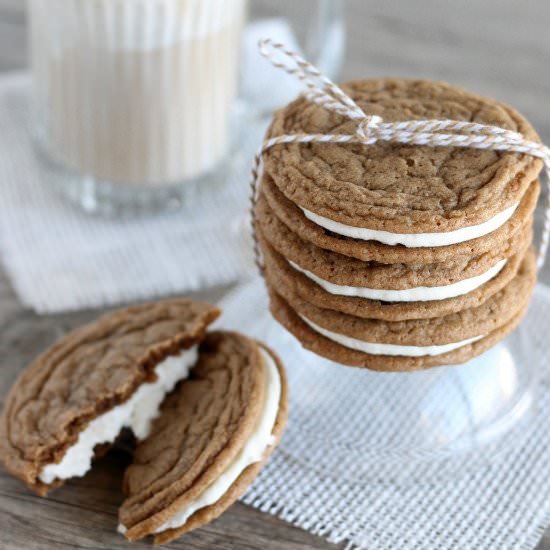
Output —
(60, 259)
(325, 478)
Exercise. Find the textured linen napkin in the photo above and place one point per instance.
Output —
(319, 479)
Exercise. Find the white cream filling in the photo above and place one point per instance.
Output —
(136, 413)
(414, 240)
(252, 452)
(416, 294)
(387, 349)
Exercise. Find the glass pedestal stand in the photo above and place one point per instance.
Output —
(369, 426)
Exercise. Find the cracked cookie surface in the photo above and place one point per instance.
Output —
(395, 187)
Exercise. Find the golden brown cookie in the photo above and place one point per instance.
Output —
(297, 223)
(279, 273)
(78, 394)
(343, 270)
(400, 188)
(209, 442)
(338, 336)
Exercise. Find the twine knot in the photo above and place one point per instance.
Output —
(367, 125)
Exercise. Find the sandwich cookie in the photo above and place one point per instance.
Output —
(293, 217)
(406, 345)
(209, 442)
(109, 375)
(279, 272)
(346, 276)
(401, 194)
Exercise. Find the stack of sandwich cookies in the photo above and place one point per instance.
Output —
(206, 411)
(366, 237)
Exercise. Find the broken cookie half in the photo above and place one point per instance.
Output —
(212, 437)
(111, 374)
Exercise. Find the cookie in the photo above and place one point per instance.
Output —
(295, 220)
(80, 393)
(406, 345)
(401, 193)
(279, 273)
(376, 280)
(436, 331)
(209, 442)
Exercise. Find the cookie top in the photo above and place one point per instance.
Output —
(394, 187)
(343, 270)
(201, 431)
(296, 221)
(85, 374)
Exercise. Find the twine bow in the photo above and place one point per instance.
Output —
(372, 128)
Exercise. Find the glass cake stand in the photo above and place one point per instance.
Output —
(362, 425)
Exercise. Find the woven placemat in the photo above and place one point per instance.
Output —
(318, 479)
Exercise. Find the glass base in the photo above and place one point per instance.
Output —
(128, 200)
(364, 425)
(109, 199)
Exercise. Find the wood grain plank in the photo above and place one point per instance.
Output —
(495, 47)
(13, 42)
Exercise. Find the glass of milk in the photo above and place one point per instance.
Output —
(134, 99)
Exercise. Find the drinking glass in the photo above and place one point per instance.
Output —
(139, 104)
(134, 98)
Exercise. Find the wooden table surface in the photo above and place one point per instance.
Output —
(496, 47)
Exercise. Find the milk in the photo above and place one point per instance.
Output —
(136, 91)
